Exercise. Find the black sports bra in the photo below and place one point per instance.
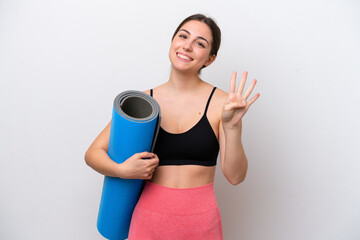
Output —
(197, 146)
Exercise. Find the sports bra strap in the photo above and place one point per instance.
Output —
(207, 104)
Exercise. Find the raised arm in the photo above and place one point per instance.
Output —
(233, 159)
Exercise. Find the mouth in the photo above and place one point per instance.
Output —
(184, 57)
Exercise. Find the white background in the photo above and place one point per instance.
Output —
(63, 62)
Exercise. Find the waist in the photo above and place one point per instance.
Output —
(179, 201)
(180, 161)
(183, 176)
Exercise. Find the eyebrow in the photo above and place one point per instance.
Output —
(197, 37)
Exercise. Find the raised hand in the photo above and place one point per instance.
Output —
(236, 104)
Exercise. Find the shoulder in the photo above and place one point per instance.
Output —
(219, 97)
(157, 89)
(220, 94)
(217, 102)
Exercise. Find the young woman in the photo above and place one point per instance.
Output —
(198, 120)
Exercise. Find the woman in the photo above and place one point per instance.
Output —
(198, 120)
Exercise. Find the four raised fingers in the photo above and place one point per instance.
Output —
(242, 85)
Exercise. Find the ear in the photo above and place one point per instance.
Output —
(210, 60)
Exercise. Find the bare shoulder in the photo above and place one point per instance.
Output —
(217, 102)
(147, 91)
(155, 89)
(220, 94)
(219, 97)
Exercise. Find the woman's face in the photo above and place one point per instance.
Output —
(191, 46)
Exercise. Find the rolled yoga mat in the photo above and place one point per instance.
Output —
(134, 127)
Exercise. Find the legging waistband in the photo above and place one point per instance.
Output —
(178, 201)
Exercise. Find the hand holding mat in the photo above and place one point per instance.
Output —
(134, 127)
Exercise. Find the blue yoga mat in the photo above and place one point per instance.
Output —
(134, 127)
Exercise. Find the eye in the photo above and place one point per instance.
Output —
(201, 44)
(183, 36)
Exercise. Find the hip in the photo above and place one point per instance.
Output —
(178, 201)
(176, 213)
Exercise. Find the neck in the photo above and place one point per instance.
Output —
(183, 82)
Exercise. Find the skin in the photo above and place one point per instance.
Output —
(182, 101)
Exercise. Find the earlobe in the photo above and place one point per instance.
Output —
(210, 60)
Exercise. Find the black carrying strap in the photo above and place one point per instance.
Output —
(151, 92)
(207, 104)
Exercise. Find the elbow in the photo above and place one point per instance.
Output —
(87, 158)
(236, 180)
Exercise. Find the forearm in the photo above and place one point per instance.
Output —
(100, 161)
(235, 162)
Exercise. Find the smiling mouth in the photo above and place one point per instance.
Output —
(184, 57)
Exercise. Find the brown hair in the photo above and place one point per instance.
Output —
(215, 31)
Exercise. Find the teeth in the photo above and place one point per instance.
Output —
(184, 57)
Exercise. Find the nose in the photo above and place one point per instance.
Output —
(187, 46)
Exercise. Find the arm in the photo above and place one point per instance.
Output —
(234, 163)
(233, 160)
(97, 158)
(134, 167)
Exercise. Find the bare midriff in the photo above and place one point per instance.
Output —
(183, 176)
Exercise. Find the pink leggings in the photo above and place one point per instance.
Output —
(176, 214)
